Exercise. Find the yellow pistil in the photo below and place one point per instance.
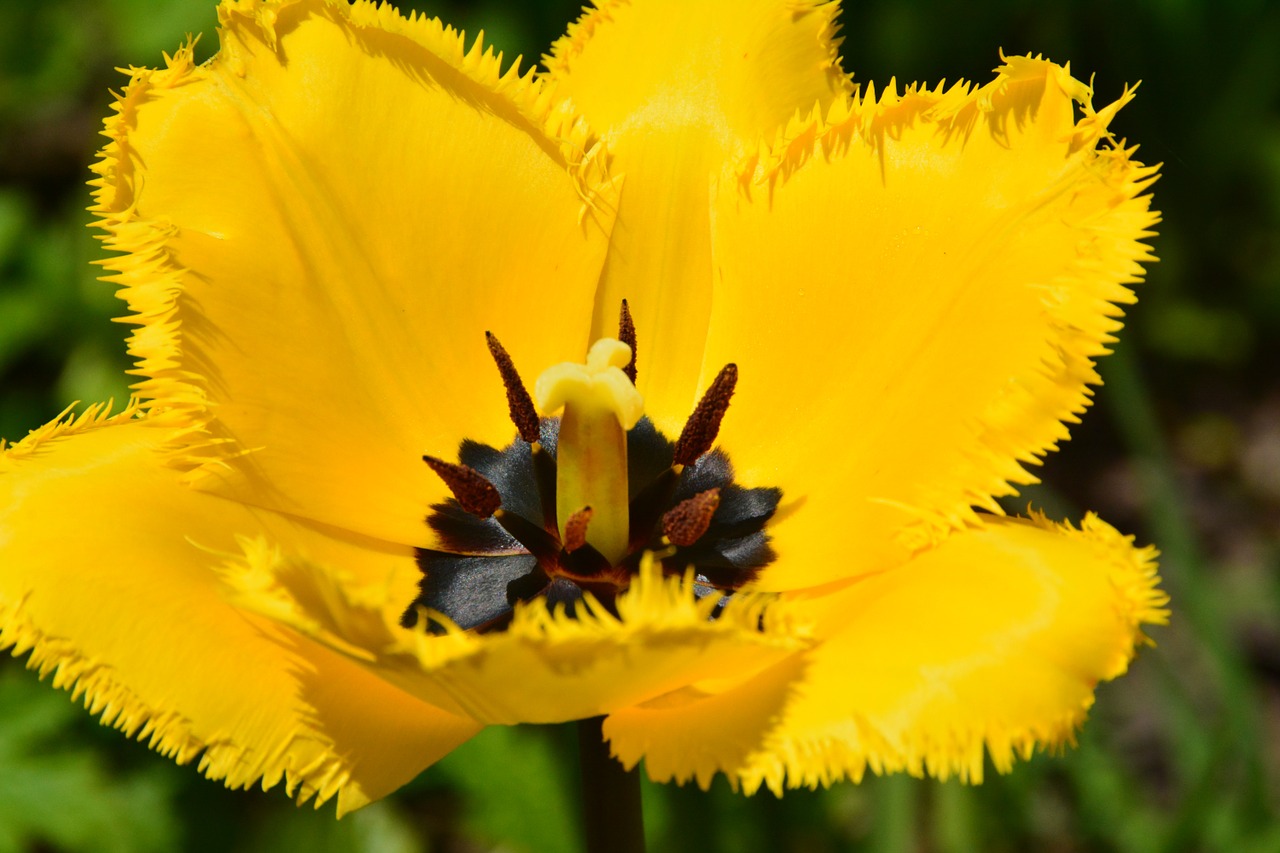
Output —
(600, 405)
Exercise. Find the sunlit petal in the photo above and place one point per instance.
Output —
(695, 733)
(108, 580)
(990, 644)
(914, 291)
(319, 225)
(673, 101)
(546, 666)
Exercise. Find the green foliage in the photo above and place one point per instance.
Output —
(502, 767)
(57, 789)
(1183, 452)
(378, 828)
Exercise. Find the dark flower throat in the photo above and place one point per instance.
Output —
(499, 539)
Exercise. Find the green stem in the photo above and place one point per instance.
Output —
(610, 795)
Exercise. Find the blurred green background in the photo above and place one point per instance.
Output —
(1182, 449)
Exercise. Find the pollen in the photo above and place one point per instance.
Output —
(700, 431)
(685, 523)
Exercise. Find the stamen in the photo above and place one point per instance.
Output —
(519, 403)
(700, 430)
(627, 334)
(476, 494)
(685, 523)
(575, 529)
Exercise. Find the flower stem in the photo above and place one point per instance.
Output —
(610, 795)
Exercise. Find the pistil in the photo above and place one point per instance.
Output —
(600, 404)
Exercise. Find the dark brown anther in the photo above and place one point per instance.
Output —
(519, 403)
(476, 494)
(575, 529)
(627, 334)
(685, 523)
(700, 430)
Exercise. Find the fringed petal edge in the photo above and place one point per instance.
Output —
(456, 670)
(148, 277)
(1083, 303)
(67, 423)
(847, 751)
(90, 681)
(559, 60)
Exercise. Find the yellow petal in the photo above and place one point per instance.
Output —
(107, 579)
(675, 88)
(915, 291)
(320, 224)
(545, 666)
(693, 733)
(994, 640)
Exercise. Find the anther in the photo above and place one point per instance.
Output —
(627, 334)
(700, 430)
(476, 494)
(519, 403)
(575, 529)
(685, 523)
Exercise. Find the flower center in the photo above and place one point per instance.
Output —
(578, 500)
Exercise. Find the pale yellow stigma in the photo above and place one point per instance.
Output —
(600, 384)
(600, 404)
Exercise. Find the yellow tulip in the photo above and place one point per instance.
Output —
(313, 232)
